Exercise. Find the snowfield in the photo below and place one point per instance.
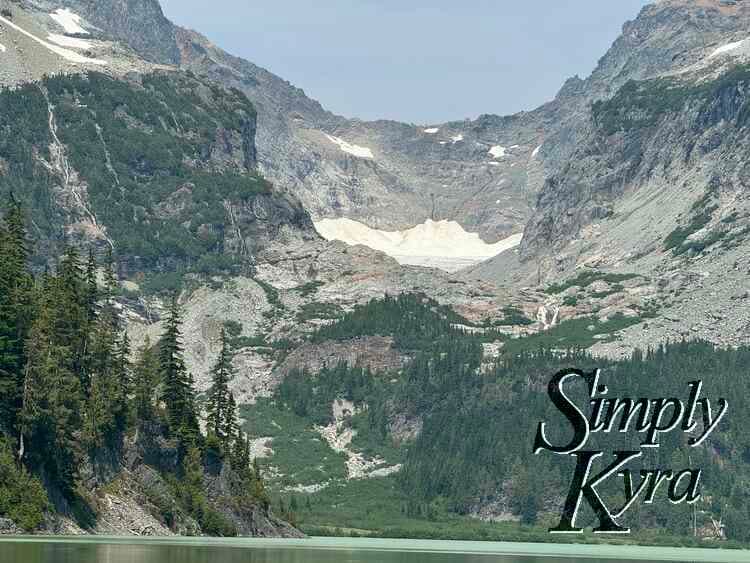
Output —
(727, 48)
(73, 42)
(437, 244)
(69, 21)
(431, 130)
(355, 150)
(67, 54)
(2, 48)
(497, 151)
(458, 138)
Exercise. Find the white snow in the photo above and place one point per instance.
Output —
(65, 41)
(536, 151)
(458, 138)
(67, 54)
(68, 20)
(431, 130)
(2, 48)
(440, 244)
(497, 151)
(726, 48)
(355, 150)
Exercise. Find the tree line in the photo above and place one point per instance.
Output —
(70, 386)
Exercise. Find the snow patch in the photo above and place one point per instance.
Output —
(65, 41)
(497, 151)
(431, 130)
(438, 244)
(457, 139)
(355, 150)
(67, 54)
(536, 151)
(68, 20)
(727, 48)
(2, 48)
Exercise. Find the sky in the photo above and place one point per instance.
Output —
(417, 61)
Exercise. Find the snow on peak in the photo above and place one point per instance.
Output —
(497, 151)
(727, 48)
(355, 150)
(431, 130)
(67, 54)
(440, 244)
(457, 139)
(68, 20)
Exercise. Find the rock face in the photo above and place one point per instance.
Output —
(131, 496)
(657, 180)
(375, 352)
(124, 20)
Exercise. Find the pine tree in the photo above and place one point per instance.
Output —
(145, 380)
(51, 411)
(218, 405)
(16, 311)
(178, 393)
(231, 424)
(123, 377)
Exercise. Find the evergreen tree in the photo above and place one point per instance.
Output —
(218, 405)
(231, 425)
(15, 313)
(178, 393)
(51, 410)
(145, 380)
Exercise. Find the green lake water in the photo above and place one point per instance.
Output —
(332, 550)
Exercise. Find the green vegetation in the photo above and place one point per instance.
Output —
(272, 294)
(144, 154)
(512, 316)
(414, 320)
(309, 288)
(69, 392)
(297, 448)
(22, 497)
(586, 278)
(639, 105)
(675, 241)
(572, 334)
(472, 428)
(322, 311)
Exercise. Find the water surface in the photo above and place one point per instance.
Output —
(332, 550)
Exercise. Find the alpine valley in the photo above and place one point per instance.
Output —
(225, 310)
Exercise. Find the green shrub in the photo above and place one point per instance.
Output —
(233, 328)
(309, 288)
(22, 496)
(586, 278)
(325, 311)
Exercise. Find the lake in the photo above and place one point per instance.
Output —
(331, 550)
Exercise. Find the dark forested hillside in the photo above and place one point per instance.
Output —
(479, 419)
(160, 167)
(78, 417)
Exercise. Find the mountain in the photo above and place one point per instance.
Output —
(356, 367)
(655, 186)
(482, 174)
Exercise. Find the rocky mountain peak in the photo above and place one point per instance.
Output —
(141, 24)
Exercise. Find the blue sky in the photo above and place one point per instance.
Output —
(417, 61)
